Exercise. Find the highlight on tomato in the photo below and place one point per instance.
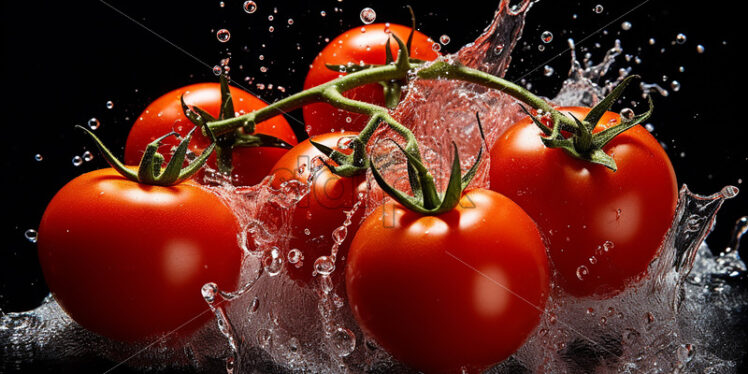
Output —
(126, 251)
(604, 196)
(354, 50)
(247, 157)
(447, 282)
(318, 216)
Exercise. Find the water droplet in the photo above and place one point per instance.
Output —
(652, 41)
(444, 39)
(93, 123)
(603, 321)
(541, 48)
(295, 256)
(582, 272)
(700, 49)
(546, 36)
(730, 191)
(685, 352)
(271, 28)
(608, 245)
(77, 160)
(263, 69)
(591, 311)
(339, 234)
(273, 262)
(498, 49)
(626, 26)
(548, 71)
(87, 156)
(322, 13)
(31, 235)
(217, 70)
(675, 85)
(324, 265)
(436, 47)
(344, 341)
(250, 7)
(223, 35)
(209, 292)
(368, 15)
(109, 104)
(650, 127)
(290, 21)
(255, 305)
(680, 38)
(593, 260)
(598, 8)
(693, 223)
(38, 157)
(264, 338)
(627, 113)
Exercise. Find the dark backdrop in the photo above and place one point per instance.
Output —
(62, 61)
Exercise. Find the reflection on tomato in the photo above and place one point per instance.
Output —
(165, 115)
(322, 210)
(357, 46)
(128, 261)
(604, 227)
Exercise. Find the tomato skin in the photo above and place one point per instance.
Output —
(580, 206)
(128, 261)
(351, 46)
(322, 210)
(165, 115)
(432, 290)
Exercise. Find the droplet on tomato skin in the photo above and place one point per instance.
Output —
(582, 272)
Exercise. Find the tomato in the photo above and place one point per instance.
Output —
(603, 227)
(355, 46)
(127, 260)
(322, 210)
(165, 115)
(462, 289)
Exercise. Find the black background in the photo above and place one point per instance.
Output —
(62, 61)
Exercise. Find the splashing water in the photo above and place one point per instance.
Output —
(681, 317)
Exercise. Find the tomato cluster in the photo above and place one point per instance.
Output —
(442, 289)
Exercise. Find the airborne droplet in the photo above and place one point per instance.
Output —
(223, 35)
(368, 15)
(250, 7)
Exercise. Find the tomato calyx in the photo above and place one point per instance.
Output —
(225, 143)
(425, 199)
(583, 144)
(151, 170)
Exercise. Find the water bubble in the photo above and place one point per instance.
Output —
(680, 38)
(272, 262)
(324, 265)
(444, 39)
(368, 15)
(87, 156)
(598, 8)
(93, 123)
(582, 272)
(250, 7)
(31, 235)
(548, 71)
(626, 26)
(109, 104)
(343, 341)
(627, 113)
(295, 256)
(223, 35)
(38, 157)
(700, 49)
(541, 48)
(77, 160)
(675, 85)
(546, 36)
(255, 305)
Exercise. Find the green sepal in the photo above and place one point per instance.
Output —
(597, 112)
(604, 137)
(260, 140)
(150, 171)
(348, 165)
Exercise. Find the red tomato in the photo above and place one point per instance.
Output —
(603, 227)
(462, 289)
(165, 115)
(355, 46)
(322, 210)
(128, 261)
